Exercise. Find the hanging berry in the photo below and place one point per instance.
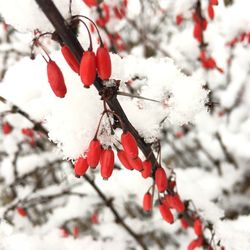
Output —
(161, 180)
(107, 163)
(7, 128)
(184, 223)
(210, 11)
(195, 243)
(75, 231)
(21, 211)
(166, 213)
(147, 202)
(175, 202)
(179, 19)
(70, 59)
(129, 144)
(56, 80)
(136, 163)
(124, 160)
(147, 169)
(88, 68)
(198, 227)
(81, 166)
(94, 153)
(103, 63)
(90, 3)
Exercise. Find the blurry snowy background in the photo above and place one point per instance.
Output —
(202, 119)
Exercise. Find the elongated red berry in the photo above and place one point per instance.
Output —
(184, 223)
(124, 160)
(166, 213)
(210, 11)
(161, 180)
(107, 163)
(175, 202)
(81, 166)
(195, 243)
(94, 153)
(147, 202)
(21, 211)
(56, 80)
(103, 63)
(28, 132)
(75, 231)
(7, 128)
(214, 2)
(135, 163)
(70, 59)
(129, 144)
(147, 169)
(198, 227)
(88, 68)
(197, 32)
(179, 19)
(90, 3)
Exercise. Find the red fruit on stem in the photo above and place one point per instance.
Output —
(129, 144)
(136, 163)
(147, 202)
(90, 3)
(184, 223)
(166, 213)
(7, 128)
(124, 160)
(175, 202)
(214, 2)
(81, 167)
(64, 232)
(103, 63)
(179, 19)
(119, 12)
(94, 218)
(161, 180)
(107, 163)
(88, 68)
(28, 132)
(204, 24)
(195, 243)
(70, 59)
(198, 227)
(75, 231)
(21, 211)
(210, 10)
(94, 153)
(56, 80)
(102, 21)
(147, 169)
(197, 32)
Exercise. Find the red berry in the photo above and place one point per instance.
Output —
(94, 218)
(175, 202)
(7, 128)
(210, 11)
(56, 80)
(28, 132)
(90, 3)
(102, 21)
(94, 153)
(21, 211)
(197, 32)
(88, 68)
(136, 163)
(119, 12)
(161, 180)
(129, 144)
(179, 19)
(75, 231)
(70, 59)
(195, 243)
(81, 166)
(198, 227)
(214, 2)
(147, 169)
(107, 163)
(166, 213)
(124, 160)
(184, 223)
(64, 232)
(147, 202)
(103, 63)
